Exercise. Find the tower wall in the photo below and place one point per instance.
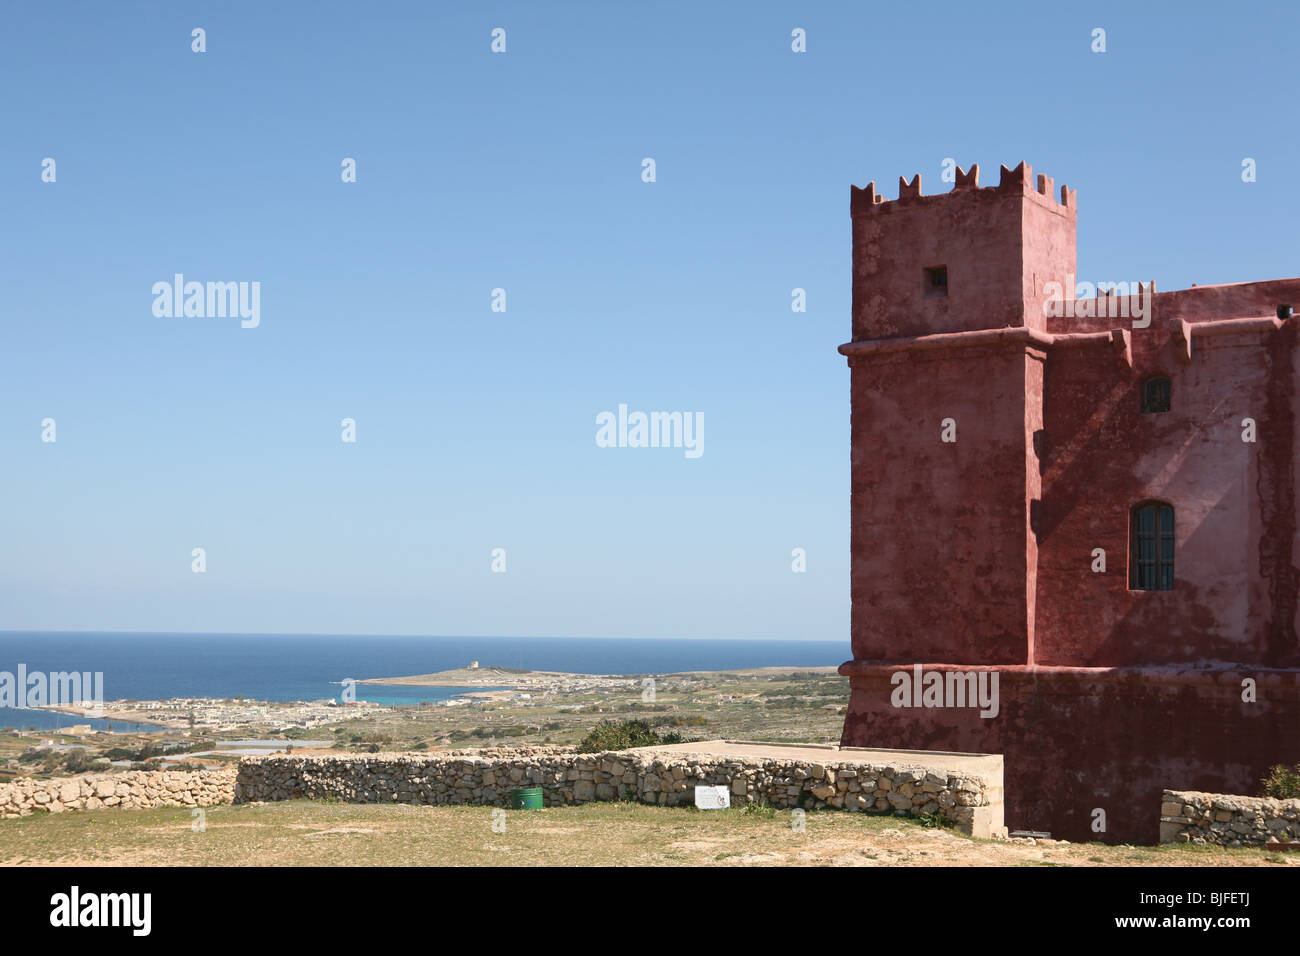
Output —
(1075, 740)
(976, 555)
(1104, 455)
(926, 584)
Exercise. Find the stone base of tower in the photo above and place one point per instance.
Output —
(1076, 740)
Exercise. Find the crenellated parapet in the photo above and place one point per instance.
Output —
(1019, 180)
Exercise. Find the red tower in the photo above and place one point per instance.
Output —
(1089, 502)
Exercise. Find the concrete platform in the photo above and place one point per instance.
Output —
(984, 821)
(988, 766)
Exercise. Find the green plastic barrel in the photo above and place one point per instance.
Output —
(526, 798)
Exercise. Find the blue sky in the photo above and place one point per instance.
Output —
(522, 170)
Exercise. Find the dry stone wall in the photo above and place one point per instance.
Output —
(1190, 816)
(970, 802)
(486, 777)
(132, 789)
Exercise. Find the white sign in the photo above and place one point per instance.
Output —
(712, 798)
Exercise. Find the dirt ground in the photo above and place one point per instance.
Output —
(301, 833)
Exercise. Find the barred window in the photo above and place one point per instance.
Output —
(1151, 543)
(1155, 395)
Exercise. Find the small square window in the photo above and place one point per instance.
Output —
(936, 281)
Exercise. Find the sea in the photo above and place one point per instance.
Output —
(155, 666)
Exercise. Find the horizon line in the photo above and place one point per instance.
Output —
(486, 637)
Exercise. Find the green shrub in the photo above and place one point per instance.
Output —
(688, 720)
(1281, 783)
(77, 761)
(621, 735)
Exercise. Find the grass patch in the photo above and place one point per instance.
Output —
(313, 833)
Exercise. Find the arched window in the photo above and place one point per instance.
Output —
(1151, 547)
(1155, 394)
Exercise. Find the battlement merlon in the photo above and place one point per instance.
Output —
(864, 201)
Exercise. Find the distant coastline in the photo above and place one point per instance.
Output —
(159, 667)
(518, 679)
